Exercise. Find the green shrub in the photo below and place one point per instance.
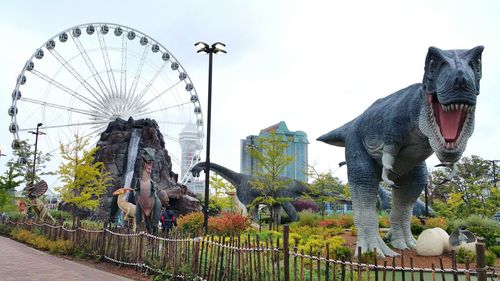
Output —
(313, 245)
(383, 221)
(367, 257)
(464, 254)
(191, 222)
(436, 222)
(416, 226)
(214, 207)
(495, 250)
(266, 234)
(491, 258)
(307, 218)
(16, 216)
(59, 215)
(41, 242)
(481, 226)
(5, 229)
(343, 252)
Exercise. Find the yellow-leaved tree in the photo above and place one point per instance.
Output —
(84, 181)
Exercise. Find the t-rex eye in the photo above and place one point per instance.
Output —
(431, 65)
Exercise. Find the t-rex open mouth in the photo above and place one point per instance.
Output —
(450, 119)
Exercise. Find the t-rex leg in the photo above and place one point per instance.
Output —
(403, 198)
(364, 177)
(138, 216)
(290, 210)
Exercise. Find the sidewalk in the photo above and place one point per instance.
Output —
(20, 262)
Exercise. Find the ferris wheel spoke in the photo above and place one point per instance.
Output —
(123, 71)
(171, 138)
(175, 159)
(172, 123)
(134, 102)
(81, 98)
(133, 87)
(89, 134)
(68, 125)
(78, 77)
(66, 108)
(146, 103)
(140, 113)
(98, 79)
(111, 76)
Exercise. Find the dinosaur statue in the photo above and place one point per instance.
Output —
(239, 208)
(385, 197)
(246, 194)
(148, 205)
(392, 138)
(33, 192)
(127, 207)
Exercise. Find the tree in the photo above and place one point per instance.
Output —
(84, 181)
(325, 188)
(24, 164)
(271, 161)
(8, 183)
(470, 192)
(220, 185)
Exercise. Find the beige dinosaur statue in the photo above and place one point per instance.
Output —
(239, 208)
(33, 192)
(127, 207)
(40, 210)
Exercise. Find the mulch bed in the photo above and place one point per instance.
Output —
(418, 261)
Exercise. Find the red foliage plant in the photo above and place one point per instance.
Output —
(327, 223)
(228, 223)
(302, 205)
(345, 221)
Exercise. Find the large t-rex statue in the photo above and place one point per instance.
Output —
(392, 138)
(246, 194)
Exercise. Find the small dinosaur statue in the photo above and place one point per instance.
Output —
(392, 138)
(239, 208)
(127, 207)
(246, 194)
(33, 192)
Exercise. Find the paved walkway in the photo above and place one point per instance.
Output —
(20, 262)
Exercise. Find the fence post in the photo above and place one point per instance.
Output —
(196, 250)
(286, 252)
(480, 261)
(77, 232)
(103, 240)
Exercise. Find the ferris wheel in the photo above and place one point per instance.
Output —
(88, 75)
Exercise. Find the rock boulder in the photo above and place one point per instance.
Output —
(113, 152)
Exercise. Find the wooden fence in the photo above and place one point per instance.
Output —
(243, 258)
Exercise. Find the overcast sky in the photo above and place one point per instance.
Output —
(313, 64)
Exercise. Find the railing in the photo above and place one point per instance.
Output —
(243, 258)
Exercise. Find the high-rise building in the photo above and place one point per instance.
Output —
(297, 148)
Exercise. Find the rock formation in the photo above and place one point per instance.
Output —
(113, 152)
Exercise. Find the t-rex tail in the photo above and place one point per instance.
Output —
(337, 136)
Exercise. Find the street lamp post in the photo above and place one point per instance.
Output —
(204, 48)
(36, 144)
